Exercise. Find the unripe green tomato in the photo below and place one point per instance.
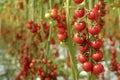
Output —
(47, 15)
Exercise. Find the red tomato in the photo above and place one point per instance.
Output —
(84, 48)
(29, 26)
(93, 15)
(97, 6)
(97, 56)
(118, 66)
(47, 79)
(39, 68)
(78, 39)
(62, 37)
(96, 44)
(37, 26)
(42, 74)
(79, 13)
(97, 69)
(78, 1)
(112, 43)
(87, 66)
(30, 22)
(54, 13)
(94, 29)
(82, 58)
(33, 30)
(61, 31)
(80, 26)
(52, 74)
(61, 25)
(113, 52)
(44, 61)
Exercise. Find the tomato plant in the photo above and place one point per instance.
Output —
(49, 39)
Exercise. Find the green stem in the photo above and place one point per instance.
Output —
(88, 5)
(91, 3)
(41, 19)
(26, 5)
(50, 3)
(33, 9)
(70, 45)
(50, 32)
(119, 17)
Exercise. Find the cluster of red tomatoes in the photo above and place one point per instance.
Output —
(31, 67)
(84, 35)
(114, 65)
(87, 37)
(61, 26)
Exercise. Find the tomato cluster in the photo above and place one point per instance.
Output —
(30, 66)
(88, 40)
(61, 26)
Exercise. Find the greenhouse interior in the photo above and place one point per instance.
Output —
(59, 39)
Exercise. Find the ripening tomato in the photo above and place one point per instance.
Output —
(97, 56)
(87, 66)
(80, 26)
(54, 13)
(98, 68)
(78, 39)
(79, 13)
(33, 61)
(94, 30)
(96, 44)
(44, 61)
(82, 58)
(78, 1)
